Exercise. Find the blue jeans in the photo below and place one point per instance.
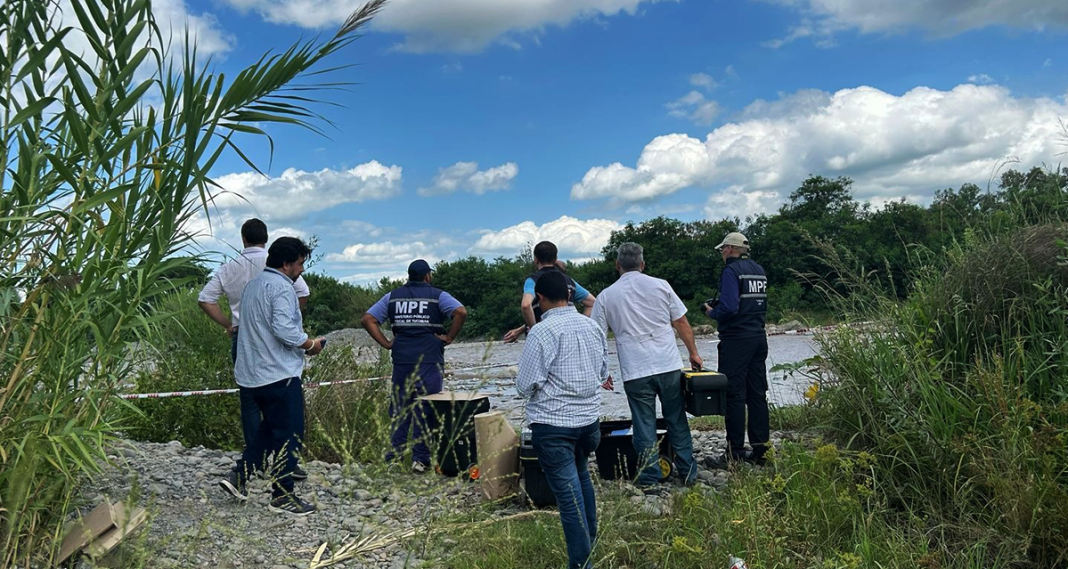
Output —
(407, 412)
(641, 396)
(564, 457)
(282, 406)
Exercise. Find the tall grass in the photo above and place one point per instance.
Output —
(961, 391)
(97, 189)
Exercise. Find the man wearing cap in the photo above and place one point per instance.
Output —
(416, 312)
(545, 258)
(743, 349)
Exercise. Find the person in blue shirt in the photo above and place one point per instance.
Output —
(416, 313)
(743, 350)
(545, 259)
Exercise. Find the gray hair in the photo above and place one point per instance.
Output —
(629, 256)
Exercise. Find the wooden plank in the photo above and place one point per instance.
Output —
(81, 532)
(106, 542)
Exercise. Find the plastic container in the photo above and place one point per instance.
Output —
(535, 484)
(451, 422)
(705, 392)
(616, 458)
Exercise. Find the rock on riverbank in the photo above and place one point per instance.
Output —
(194, 524)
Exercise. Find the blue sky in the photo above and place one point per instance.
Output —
(481, 125)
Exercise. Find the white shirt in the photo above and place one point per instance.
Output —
(640, 310)
(234, 275)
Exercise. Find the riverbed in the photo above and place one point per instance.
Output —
(499, 383)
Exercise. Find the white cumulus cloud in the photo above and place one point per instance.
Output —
(891, 145)
(296, 193)
(467, 177)
(447, 25)
(575, 238)
(695, 107)
(385, 254)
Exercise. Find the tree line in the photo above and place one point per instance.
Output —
(820, 219)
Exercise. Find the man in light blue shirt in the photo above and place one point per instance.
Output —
(546, 260)
(270, 360)
(564, 362)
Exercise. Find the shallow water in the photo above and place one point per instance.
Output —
(499, 383)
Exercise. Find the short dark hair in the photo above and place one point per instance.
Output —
(552, 286)
(545, 252)
(254, 232)
(286, 250)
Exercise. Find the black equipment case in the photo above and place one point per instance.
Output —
(705, 392)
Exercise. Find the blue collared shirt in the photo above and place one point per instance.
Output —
(564, 362)
(272, 331)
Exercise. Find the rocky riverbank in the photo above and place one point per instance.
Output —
(194, 524)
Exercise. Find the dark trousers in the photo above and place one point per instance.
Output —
(641, 397)
(407, 412)
(742, 360)
(250, 413)
(564, 457)
(282, 406)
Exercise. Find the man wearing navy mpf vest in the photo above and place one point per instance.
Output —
(416, 312)
(743, 349)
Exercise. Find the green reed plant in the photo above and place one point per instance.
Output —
(960, 391)
(105, 159)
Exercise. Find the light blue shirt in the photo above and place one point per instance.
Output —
(272, 331)
(580, 292)
(564, 362)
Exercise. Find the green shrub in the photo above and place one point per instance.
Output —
(190, 352)
(960, 391)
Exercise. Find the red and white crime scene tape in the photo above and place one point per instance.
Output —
(306, 386)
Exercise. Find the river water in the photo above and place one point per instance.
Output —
(499, 383)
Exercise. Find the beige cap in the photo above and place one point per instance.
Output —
(734, 239)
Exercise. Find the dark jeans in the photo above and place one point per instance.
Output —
(641, 396)
(408, 413)
(564, 457)
(282, 405)
(742, 360)
(250, 413)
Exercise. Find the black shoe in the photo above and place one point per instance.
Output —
(234, 485)
(299, 473)
(291, 505)
(754, 459)
(722, 462)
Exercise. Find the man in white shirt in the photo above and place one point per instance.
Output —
(230, 280)
(641, 311)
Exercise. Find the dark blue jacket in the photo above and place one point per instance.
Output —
(415, 317)
(743, 299)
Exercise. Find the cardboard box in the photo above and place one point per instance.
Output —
(100, 530)
(498, 455)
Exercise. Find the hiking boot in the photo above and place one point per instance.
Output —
(291, 505)
(420, 467)
(234, 485)
(299, 473)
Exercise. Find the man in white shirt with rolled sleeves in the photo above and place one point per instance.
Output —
(642, 311)
(230, 281)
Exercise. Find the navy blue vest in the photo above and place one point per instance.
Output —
(537, 275)
(748, 322)
(415, 318)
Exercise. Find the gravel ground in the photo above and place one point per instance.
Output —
(194, 523)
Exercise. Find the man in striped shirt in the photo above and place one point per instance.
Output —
(564, 362)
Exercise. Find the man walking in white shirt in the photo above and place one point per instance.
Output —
(230, 281)
(642, 311)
